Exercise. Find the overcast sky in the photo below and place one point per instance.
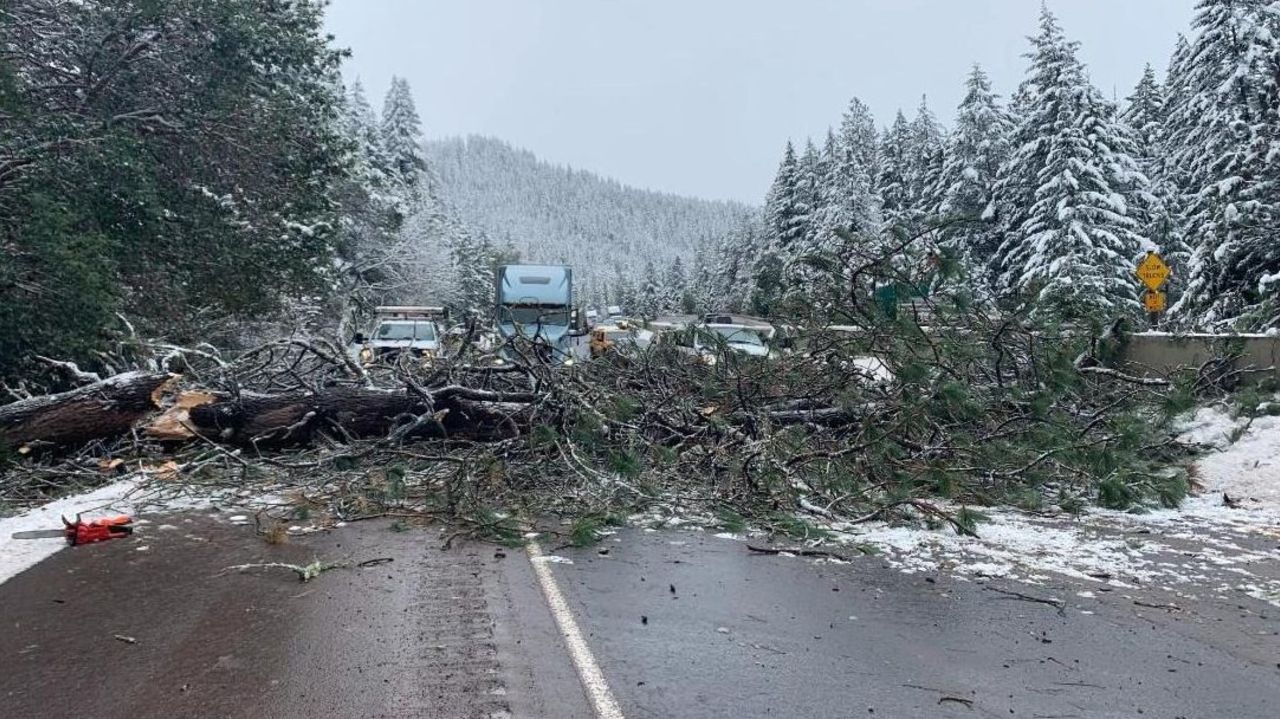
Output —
(698, 96)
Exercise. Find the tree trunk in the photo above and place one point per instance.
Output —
(97, 411)
(119, 404)
(292, 419)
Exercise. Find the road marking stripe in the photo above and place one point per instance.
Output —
(606, 707)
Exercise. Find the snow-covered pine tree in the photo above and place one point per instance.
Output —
(784, 210)
(1224, 138)
(1144, 114)
(370, 219)
(847, 206)
(624, 292)
(649, 299)
(808, 186)
(704, 288)
(925, 159)
(977, 148)
(736, 258)
(1065, 193)
(784, 225)
(402, 138)
(362, 128)
(473, 262)
(675, 287)
(849, 202)
(893, 183)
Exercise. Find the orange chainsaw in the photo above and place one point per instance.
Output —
(82, 532)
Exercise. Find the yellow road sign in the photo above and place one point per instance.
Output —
(1152, 271)
(1154, 301)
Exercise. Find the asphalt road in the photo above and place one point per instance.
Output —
(678, 625)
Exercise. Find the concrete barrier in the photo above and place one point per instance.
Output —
(1157, 354)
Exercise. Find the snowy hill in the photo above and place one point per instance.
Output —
(556, 214)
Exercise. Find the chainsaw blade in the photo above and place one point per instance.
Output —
(41, 534)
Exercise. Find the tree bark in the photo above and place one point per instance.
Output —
(97, 411)
(292, 419)
(119, 404)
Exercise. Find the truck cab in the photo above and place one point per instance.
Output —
(536, 302)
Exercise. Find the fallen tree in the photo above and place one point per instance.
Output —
(99, 410)
(898, 419)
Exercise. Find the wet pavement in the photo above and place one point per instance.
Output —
(168, 632)
(682, 624)
(695, 626)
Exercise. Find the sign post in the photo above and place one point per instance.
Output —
(1153, 272)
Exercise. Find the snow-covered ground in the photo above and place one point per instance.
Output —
(18, 554)
(135, 495)
(1205, 546)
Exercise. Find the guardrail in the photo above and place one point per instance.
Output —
(1158, 354)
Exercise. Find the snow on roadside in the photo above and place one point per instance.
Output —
(1249, 470)
(1203, 546)
(1209, 426)
(133, 495)
(17, 555)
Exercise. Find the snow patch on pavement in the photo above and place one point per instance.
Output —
(134, 495)
(17, 555)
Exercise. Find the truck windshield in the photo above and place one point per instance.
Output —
(534, 315)
(406, 331)
(739, 336)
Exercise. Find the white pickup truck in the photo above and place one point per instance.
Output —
(399, 330)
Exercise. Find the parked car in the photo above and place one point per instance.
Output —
(705, 341)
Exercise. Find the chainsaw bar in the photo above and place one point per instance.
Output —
(42, 534)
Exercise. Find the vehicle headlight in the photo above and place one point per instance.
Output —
(366, 355)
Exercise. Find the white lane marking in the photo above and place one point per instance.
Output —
(606, 707)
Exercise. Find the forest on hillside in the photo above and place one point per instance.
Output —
(614, 236)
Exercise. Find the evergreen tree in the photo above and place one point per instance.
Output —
(1145, 116)
(624, 293)
(365, 134)
(925, 159)
(785, 224)
(894, 180)
(178, 162)
(977, 148)
(784, 209)
(1069, 240)
(402, 137)
(1223, 133)
(808, 186)
(705, 290)
(849, 202)
(738, 257)
(675, 286)
(649, 298)
(473, 260)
